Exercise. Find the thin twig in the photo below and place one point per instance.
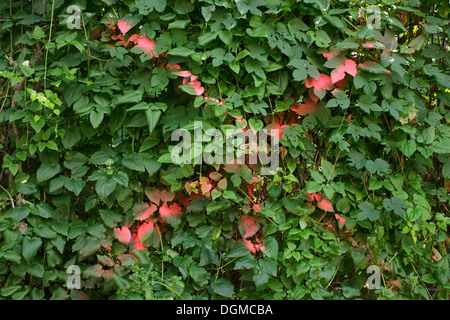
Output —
(9, 195)
(4, 101)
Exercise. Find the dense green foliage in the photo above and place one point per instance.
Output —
(86, 118)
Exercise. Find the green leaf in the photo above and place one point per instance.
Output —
(9, 290)
(44, 231)
(91, 246)
(121, 282)
(153, 117)
(134, 161)
(199, 274)
(181, 52)
(38, 33)
(104, 187)
(302, 69)
(111, 218)
(378, 166)
(372, 67)
(260, 279)
(223, 287)
(18, 213)
(30, 247)
(238, 250)
(74, 184)
(12, 256)
(367, 211)
(442, 147)
(271, 248)
(397, 205)
(322, 39)
(207, 37)
(407, 147)
(147, 6)
(96, 118)
(129, 97)
(47, 171)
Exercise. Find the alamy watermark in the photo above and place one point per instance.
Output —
(374, 280)
(74, 20)
(374, 19)
(74, 280)
(236, 146)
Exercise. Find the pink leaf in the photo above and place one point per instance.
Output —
(136, 244)
(184, 74)
(154, 195)
(329, 55)
(248, 226)
(278, 125)
(123, 235)
(325, 205)
(370, 45)
(124, 26)
(250, 246)
(314, 196)
(307, 107)
(167, 196)
(143, 211)
(197, 86)
(320, 85)
(171, 214)
(340, 219)
(132, 39)
(147, 230)
(146, 44)
(349, 66)
(206, 187)
(122, 257)
(257, 207)
(173, 67)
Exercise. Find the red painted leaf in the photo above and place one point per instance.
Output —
(369, 45)
(171, 214)
(307, 107)
(184, 74)
(173, 67)
(278, 125)
(325, 205)
(250, 246)
(146, 44)
(145, 230)
(320, 85)
(124, 26)
(123, 235)
(341, 220)
(144, 211)
(248, 226)
(314, 196)
(122, 257)
(166, 196)
(197, 86)
(132, 39)
(154, 195)
(254, 247)
(329, 55)
(147, 235)
(136, 244)
(348, 66)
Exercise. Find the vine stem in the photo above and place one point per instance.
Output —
(9, 195)
(162, 250)
(171, 289)
(46, 48)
